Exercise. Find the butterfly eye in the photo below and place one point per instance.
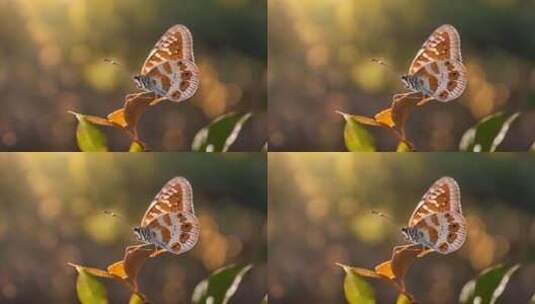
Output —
(138, 82)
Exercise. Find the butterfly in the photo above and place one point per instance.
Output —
(438, 223)
(170, 71)
(437, 70)
(170, 223)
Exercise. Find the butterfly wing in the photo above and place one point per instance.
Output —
(444, 232)
(443, 44)
(175, 196)
(176, 232)
(175, 44)
(444, 80)
(178, 78)
(443, 196)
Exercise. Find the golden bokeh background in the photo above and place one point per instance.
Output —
(52, 212)
(320, 207)
(53, 60)
(320, 61)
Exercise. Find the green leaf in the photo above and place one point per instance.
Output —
(488, 134)
(467, 293)
(135, 147)
(220, 286)
(89, 289)
(403, 147)
(264, 300)
(357, 290)
(88, 136)
(402, 299)
(488, 286)
(220, 134)
(356, 137)
(532, 300)
(135, 299)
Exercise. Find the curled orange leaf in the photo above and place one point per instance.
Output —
(395, 117)
(394, 270)
(117, 118)
(117, 269)
(127, 117)
(125, 270)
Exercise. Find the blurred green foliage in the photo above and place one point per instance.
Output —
(324, 201)
(488, 286)
(220, 134)
(320, 61)
(53, 212)
(488, 134)
(57, 56)
(220, 286)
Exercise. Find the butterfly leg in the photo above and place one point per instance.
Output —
(400, 248)
(425, 252)
(157, 101)
(158, 252)
(424, 101)
(135, 247)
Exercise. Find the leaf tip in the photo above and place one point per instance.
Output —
(345, 115)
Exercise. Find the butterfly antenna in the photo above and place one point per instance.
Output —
(118, 216)
(385, 216)
(111, 61)
(386, 65)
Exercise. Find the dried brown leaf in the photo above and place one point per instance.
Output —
(93, 271)
(134, 259)
(94, 119)
(394, 118)
(403, 259)
(366, 120)
(361, 271)
(127, 269)
(395, 269)
(135, 106)
(402, 106)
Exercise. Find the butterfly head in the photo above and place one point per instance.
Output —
(406, 81)
(137, 233)
(404, 232)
